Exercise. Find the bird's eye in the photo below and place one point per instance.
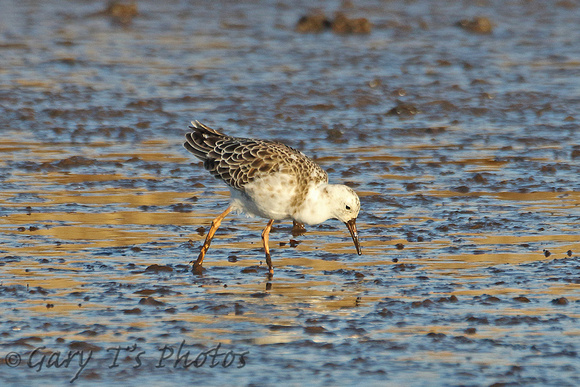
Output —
(348, 208)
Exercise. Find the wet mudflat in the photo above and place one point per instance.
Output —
(460, 136)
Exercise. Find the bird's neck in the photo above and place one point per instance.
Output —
(314, 208)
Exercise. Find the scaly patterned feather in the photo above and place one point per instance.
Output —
(239, 161)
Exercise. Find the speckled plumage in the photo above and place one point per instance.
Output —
(241, 161)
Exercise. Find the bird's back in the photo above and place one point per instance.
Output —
(239, 161)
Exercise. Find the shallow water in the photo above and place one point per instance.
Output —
(470, 195)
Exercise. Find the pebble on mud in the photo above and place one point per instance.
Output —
(560, 301)
(436, 336)
(403, 267)
(181, 207)
(452, 298)
(150, 301)
(89, 333)
(71, 162)
(317, 22)
(344, 25)
(294, 243)
(411, 186)
(478, 178)
(477, 25)
(121, 12)
(314, 329)
(238, 309)
(403, 110)
(158, 268)
(491, 300)
(83, 346)
(259, 295)
(25, 341)
(547, 253)
(313, 23)
(132, 311)
(277, 327)
(425, 303)
(461, 189)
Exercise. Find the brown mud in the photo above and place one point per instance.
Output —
(464, 148)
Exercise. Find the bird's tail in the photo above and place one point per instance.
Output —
(201, 140)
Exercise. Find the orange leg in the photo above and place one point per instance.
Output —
(265, 235)
(214, 226)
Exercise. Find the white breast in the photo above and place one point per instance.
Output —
(268, 197)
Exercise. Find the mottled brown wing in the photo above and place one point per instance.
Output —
(239, 161)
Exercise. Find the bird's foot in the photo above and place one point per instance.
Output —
(298, 229)
(197, 268)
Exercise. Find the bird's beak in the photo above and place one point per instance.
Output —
(351, 225)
